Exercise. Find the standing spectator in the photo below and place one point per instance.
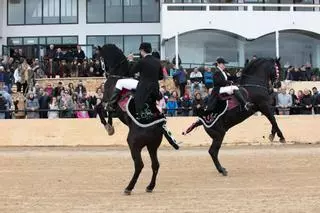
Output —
(71, 88)
(58, 89)
(196, 80)
(84, 69)
(306, 102)
(97, 70)
(197, 105)
(37, 69)
(181, 76)
(2, 74)
(96, 55)
(51, 52)
(25, 71)
(54, 107)
(186, 104)
(294, 110)
(58, 55)
(161, 104)
(32, 104)
(44, 100)
(49, 89)
(79, 54)
(208, 78)
(3, 106)
(65, 69)
(316, 104)
(284, 102)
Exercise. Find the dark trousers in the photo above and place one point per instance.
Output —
(43, 114)
(22, 86)
(182, 87)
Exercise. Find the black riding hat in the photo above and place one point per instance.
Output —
(220, 60)
(145, 46)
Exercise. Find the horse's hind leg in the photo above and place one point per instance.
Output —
(155, 166)
(265, 110)
(138, 166)
(214, 152)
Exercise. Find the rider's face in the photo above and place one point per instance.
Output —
(222, 66)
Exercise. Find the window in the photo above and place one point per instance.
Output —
(14, 41)
(95, 11)
(114, 11)
(69, 11)
(70, 40)
(15, 12)
(132, 11)
(127, 11)
(96, 40)
(150, 11)
(33, 11)
(30, 40)
(42, 40)
(128, 43)
(116, 40)
(22, 12)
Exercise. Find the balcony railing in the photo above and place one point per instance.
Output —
(241, 7)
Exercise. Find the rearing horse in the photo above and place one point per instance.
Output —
(255, 84)
(138, 137)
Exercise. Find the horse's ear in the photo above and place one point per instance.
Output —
(278, 59)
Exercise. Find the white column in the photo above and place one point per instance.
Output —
(82, 39)
(177, 49)
(241, 53)
(277, 44)
(316, 63)
(163, 50)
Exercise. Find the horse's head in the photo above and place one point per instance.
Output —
(114, 59)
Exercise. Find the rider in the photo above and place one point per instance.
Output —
(223, 86)
(150, 72)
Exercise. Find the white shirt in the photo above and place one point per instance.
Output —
(224, 74)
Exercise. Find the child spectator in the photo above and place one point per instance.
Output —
(53, 106)
(84, 113)
(186, 104)
(32, 105)
(172, 106)
(197, 105)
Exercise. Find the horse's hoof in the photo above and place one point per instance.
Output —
(224, 172)
(282, 140)
(271, 137)
(110, 129)
(127, 192)
(149, 190)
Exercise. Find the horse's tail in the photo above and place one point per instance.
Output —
(102, 114)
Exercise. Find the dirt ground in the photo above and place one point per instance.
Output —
(261, 179)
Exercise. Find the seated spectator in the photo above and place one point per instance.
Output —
(162, 103)
(53, 106)
(306, 103)
(284, 102)
(196, 80)
(186, 104)
(32, 104)
(81, 90)
(3, 106)
(66, 105)
(84, 113)
(9, 104)
(49, 89)
(79, 54)
(172, 106)
(2, 74)
(316, 104)
(197, 105)
(44, 101)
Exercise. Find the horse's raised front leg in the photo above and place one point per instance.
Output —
(214, 152)
(266, 111)
(154, 164)
(138, 166)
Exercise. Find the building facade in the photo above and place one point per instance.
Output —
(205, 29)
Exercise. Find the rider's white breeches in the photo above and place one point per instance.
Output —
(128, 83)
(228, 89)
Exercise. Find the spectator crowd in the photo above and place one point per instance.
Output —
(24, 97)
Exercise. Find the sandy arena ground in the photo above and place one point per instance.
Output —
(261, 179)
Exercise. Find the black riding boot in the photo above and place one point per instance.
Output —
(114, 99)
(240, 98)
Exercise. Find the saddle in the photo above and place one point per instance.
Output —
(150, 114)
(225, 103)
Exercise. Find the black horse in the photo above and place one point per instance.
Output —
(255, 83)
(138, 137)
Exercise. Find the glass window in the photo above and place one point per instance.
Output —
(70, 40)
(69, 11)
(42, 40)
(15, 12)
(96, 40)
(30, 41)
(14, 41)
(154, 40)
(132, 11)
(51, 11)
(33, 11)
(150, 11)
(116, 40)
(54, 40)
(131, 44)
(95, 11)
(114, 11)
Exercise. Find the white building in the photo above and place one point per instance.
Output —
(236, 29)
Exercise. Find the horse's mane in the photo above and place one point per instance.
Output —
(115, 60)
(254, 64)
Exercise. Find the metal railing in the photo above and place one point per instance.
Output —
(239, 6)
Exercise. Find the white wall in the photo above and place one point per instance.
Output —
(248, 24)
(82, 29)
